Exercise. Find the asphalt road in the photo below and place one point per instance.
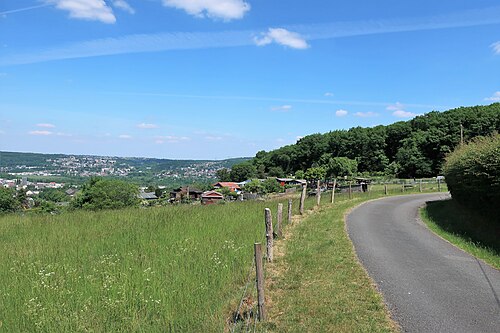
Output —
(428, 284)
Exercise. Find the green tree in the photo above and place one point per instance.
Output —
(276, 171)
(53, 195)
(315, 173)
(99, 193)
(243, 171)
(223, 175)
(270, 185)
(8, 202)
(254, 186)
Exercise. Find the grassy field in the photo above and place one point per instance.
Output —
(175, 269)
(472, 232)
(138, 270)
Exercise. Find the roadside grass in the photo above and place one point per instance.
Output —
(475, 233)
(167, 269)
(317, 283)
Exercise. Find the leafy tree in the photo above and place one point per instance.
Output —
(53, 195)
(243, 171)
(8, 202)
(299, 174)
(270, 185)
(99, 193)
(276, 171)
(223, 175)
(315, 173)
(341, 166)
(254, 186)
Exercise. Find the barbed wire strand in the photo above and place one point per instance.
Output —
(243, 296)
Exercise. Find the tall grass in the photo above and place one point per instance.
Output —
(136, 270)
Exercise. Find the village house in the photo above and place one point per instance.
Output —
(232, 186)
(211, 197)
(182, 192)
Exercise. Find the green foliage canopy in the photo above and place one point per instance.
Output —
(99, 193)
(472, 173)
(8, 203)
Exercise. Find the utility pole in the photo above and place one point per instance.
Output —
(461, 134)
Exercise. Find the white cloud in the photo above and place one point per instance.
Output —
(40, 133)
(341, 113)
(171, 139)
(125, 136)
(496, 47)
(298, 137)
(216, 9)
(146, 126)
(64, 134)
(398, 111)
(123, 5)
(282, 108)
(328, 94)
(46, 125)
(403, 114)
(213, 138)
(282, 37)
(94, 10)
(494, 98)
(366, 114)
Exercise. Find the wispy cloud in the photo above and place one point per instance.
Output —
(171, 139)
(125, 136)
(46, 125)
(496, 47)
(213, 138)
(341, 113)
(200, 40)
(93, 10)
(277, 99)
(216, 9)
(12, 11)
(283, 37)
(147, 126)
(398, 111)
(366, 114)
(328, 94)
(44, 133)
(282, 108)
(123, 5)
(494, 98)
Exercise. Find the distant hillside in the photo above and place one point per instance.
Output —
(414, 148)
(76, 168)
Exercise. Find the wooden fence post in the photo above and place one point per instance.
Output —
(403, 187)
(269, 234)
(439, 185)
(289, 211)
(259, 275)
(318, 194)
(420, 185)
(279, 224)
(303, 198)
(350, 190)
(385, 189)
(333, 191)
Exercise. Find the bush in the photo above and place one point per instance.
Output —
(472, 174)
(8, 202)
(99, 193)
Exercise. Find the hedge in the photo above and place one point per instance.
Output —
(472, 174)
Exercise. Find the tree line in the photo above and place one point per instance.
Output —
(406, 149)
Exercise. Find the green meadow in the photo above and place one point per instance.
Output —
(161, 269)
(138, 270)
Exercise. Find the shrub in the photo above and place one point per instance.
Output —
(99, 193)
(472, 173)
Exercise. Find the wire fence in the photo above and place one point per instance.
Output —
(245, 317)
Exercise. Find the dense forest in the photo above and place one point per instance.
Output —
(414, 148)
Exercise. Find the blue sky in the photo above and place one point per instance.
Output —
(211, 79)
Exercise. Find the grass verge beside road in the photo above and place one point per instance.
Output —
(476, 234)
(317, 284)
